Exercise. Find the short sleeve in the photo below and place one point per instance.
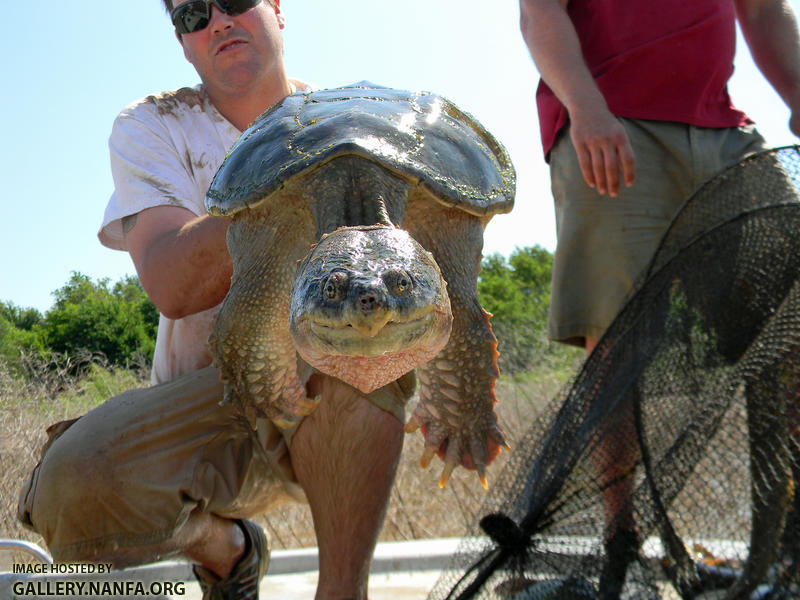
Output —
(148, 170)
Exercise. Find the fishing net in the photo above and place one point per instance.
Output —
(668, 468)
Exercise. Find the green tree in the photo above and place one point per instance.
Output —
(16, 340)
(517, 293)
(531, 268)
(119, 322)
(129, 289)
(20, 318)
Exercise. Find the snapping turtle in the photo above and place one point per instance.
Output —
(318, 188)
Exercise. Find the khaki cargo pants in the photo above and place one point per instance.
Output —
(129, 472)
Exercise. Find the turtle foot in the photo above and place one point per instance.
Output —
(473, 445)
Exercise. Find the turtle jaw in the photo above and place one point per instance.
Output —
(375, 338)
(369, 362)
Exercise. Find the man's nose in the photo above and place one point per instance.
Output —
(218, 20)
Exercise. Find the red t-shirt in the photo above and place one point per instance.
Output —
(666, 60)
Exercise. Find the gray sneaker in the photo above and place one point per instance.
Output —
(242, 582)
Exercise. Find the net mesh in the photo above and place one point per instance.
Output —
(667, 468)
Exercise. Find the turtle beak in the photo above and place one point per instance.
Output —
(368, 312)
(371, 327)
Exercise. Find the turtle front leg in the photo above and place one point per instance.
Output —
(456, 400)
(250, 341)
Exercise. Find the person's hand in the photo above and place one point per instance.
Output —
(604, 150)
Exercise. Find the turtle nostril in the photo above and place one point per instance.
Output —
(368, 302)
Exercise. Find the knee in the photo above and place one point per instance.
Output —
(363, 427)
(68, 473)
(75, 462)
(343, 407)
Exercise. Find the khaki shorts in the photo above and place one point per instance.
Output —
(129, 472)
(604, 243)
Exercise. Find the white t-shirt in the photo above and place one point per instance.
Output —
(165, 150)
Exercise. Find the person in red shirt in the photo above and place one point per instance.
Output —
(635, 115)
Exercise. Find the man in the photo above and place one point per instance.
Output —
(635, 115)
(170, 471)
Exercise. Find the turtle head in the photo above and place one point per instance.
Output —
(368, 305)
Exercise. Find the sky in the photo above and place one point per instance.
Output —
(68, 68)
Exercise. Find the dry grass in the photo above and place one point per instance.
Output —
(418, 508)
(28, 405)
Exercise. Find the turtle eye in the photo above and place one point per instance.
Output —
(399, 282)
(333, 288)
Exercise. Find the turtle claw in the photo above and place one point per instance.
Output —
(295, 411)
(446, 472)
(481, 469)
(412, 425)
(427, 456)
(285, 423)
(306, 405)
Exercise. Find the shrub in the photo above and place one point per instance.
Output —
(119, 322)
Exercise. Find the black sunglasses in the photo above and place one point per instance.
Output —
(195, 15)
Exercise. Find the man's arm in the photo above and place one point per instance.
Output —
(599, 138)
(770, 29)
(182, 260)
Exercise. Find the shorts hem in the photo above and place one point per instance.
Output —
(96, 548)
(575, 335)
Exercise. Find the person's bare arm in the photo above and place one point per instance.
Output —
(770, 29)
(182, 260)
(600, 141)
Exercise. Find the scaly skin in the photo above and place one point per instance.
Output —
(456, 400)
(250, 340)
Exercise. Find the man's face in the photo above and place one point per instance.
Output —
(232, 53)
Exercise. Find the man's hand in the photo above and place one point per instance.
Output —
(603, 149)
(600, 140)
